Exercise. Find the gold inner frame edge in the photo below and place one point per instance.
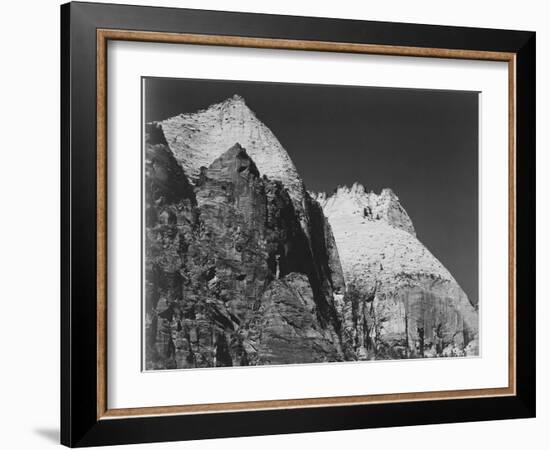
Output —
(104, 35)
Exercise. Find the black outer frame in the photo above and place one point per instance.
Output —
(79, 424)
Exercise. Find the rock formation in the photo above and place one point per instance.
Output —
(242, 266)
(231, 276)
(196, 139)
(400, 301)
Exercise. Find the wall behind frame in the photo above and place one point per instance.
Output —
(29, 188)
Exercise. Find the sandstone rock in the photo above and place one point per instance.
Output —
(226, 256)
(197, 139)
(287, 327)
(400, 301)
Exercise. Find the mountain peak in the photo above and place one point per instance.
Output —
(236, 99)
(388, 193)
(232, 106)
(234, 162)
(196, 139)
(356, 201)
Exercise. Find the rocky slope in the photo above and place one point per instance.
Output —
(231, 276)
(400, 301)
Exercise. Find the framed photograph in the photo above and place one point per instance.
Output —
(276, 224)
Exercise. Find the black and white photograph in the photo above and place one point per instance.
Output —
(275, 225)
(299, 223)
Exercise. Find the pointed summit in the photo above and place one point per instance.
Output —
(415, 306)
(233, 105)
(236, 99)
(197, 139)
(233, 163)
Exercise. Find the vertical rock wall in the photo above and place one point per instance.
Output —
(231, 278)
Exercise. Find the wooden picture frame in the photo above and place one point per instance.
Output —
(86, 418)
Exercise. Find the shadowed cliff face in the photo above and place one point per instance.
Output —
(231, 277)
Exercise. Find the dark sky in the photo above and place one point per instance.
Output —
(421, 143)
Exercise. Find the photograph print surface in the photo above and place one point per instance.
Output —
(296, 223)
